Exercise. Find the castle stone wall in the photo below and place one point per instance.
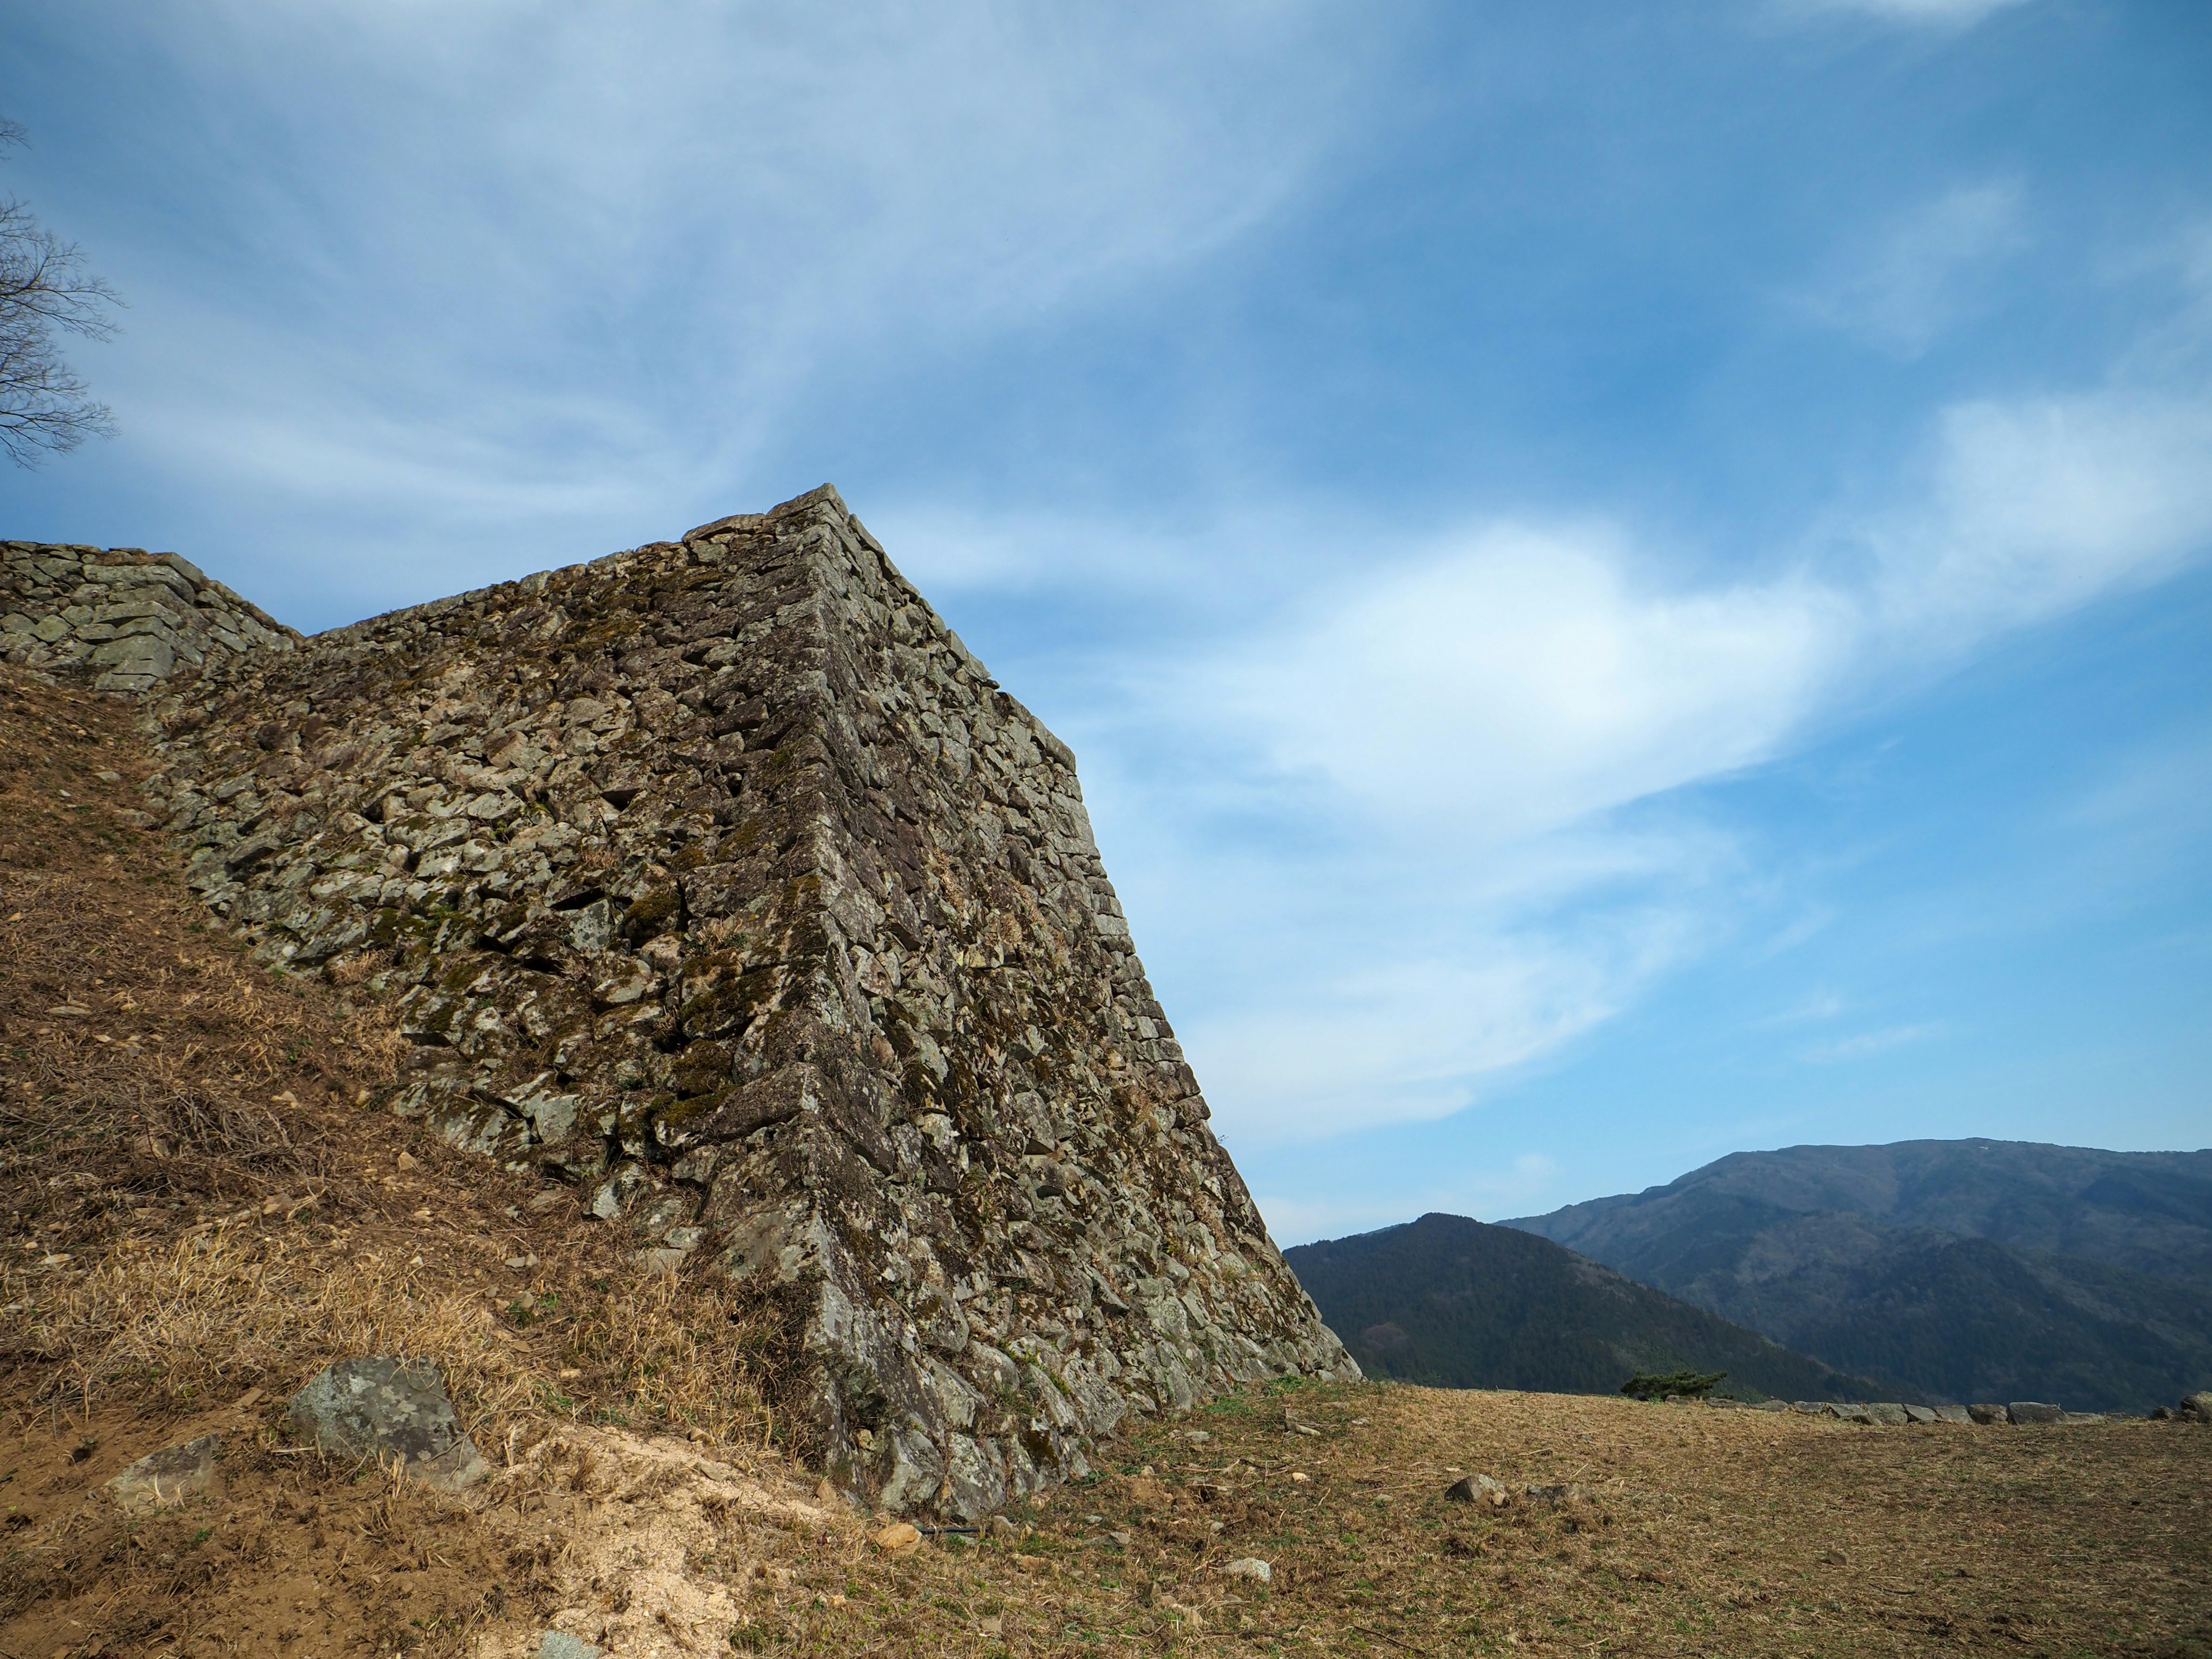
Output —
(128, 617)
(718, 880)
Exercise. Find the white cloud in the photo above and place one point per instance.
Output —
(1392, 1038)
(1520, 678)
(1916, 277)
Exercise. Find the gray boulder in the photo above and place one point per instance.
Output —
(1987, 1413)
(1478, 1489)
(1851, 1413)
(1921, 1414)
(2034, 1411)
(1953, 1414)
(167, 1477)
(380, 1407)
(1887, 1411)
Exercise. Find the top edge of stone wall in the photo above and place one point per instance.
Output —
(128, 618)
(822, 502)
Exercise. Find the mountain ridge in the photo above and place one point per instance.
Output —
(1896, 1261)
(1451, 1302)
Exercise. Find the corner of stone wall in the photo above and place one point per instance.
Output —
(127, 618)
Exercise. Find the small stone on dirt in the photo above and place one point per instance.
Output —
(163, 1479)
(897, 1538)
(559, 1645)
(1478, 1489)
(406, 1161)
(1252, 1567)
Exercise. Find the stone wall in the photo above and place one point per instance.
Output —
(718, 880)
(129, 617)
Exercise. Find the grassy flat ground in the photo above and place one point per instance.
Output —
(199, 1212)
(1692, 1530)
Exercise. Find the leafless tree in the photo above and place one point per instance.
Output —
(43, 287)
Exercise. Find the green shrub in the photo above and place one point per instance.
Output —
(1657, 1385)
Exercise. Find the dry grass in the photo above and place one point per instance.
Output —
(198, 1201)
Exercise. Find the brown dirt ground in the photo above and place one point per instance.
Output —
(198, 1214)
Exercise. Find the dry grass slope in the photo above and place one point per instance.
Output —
(199, 1216)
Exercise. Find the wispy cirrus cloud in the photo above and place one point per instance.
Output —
(1914, 278)
(1926, 14)
(1467, 751)
(720, 214)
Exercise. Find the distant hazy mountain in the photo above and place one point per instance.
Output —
(1455, 1303)
(1961, 1269)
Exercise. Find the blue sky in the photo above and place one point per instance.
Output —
(1629, 582)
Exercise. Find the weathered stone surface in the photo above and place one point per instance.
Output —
(1986, 1413)
(1251, 1567)
(130, 619)
(559, 1645)
(2034, 1411)
(1883, 1411)
(396, 1408)
(718, 880)
(164, 1478)
(1478, 1489)
(2199, 1406)
(1921, 1414)
(1851, 1413)
(897, 1539)
(1953, 1414)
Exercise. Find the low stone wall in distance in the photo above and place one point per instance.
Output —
(129, 617)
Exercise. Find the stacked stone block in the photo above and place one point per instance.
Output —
(719, 880)
(128, 617)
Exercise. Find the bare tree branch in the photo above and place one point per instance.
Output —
(43, 287)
